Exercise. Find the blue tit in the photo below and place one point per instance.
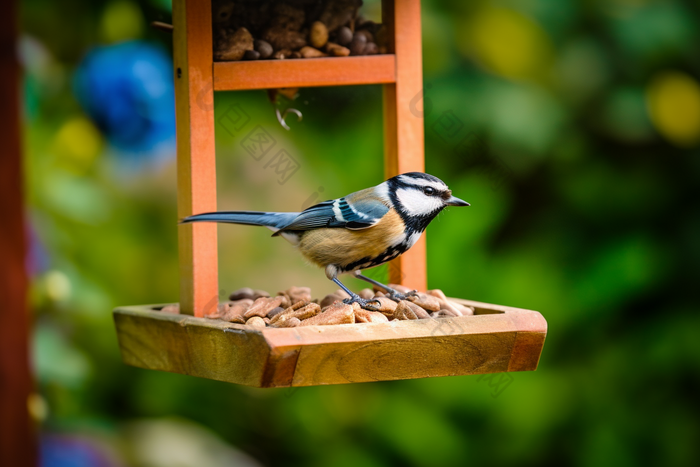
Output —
(359, 231)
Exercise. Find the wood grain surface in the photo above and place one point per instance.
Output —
(497, 339)
(307, 72)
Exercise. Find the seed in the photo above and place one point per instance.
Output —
(338, 313)
(343, 36)
(251, 55)
(262, 306)
(264, 48)
(318, 36)
(425, 301)
(256, 322)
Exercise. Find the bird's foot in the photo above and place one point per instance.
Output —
(397, 296)
(364, 303)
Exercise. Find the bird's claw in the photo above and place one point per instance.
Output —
(364, 303)
(397, 296)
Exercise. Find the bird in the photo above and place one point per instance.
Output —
(362, 230)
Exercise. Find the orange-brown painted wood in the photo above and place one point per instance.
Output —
(403, 128)
(309, 72)
(196, 163)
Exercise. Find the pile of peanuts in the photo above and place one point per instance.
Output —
(294, 307)
(254, 30)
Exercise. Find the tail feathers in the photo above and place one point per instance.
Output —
(272, 220)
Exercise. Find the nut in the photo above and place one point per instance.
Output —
(376, 317)
(337, 13)
(420, 312)
(251, 55)
(318, 35)
(405, 311)
(338, 313)
(400, 288)
(310, 52)
(386, 305)
(284, 39)
(425, 301)
(264, 48)
(465, 310)
(245, 292)
(233, 46)
(257, 293)
(256, 322)
(371, 49)
(297, 294)
(357, 46)
(367, 294)
(282, 54)
(366, 316)
(290, 323)
(274, 312)
(262, 306)
(328, 300)
(343, 36)
(444, 314)
(368, 35)
(305, 312)
(337, 50)
(437, 293)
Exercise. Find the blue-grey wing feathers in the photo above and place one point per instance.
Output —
(339, 213)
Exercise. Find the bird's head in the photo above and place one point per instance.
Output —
(420, 196)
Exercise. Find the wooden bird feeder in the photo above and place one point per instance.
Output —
(494, 339)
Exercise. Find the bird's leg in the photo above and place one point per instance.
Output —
(393, 294)
(354, 298)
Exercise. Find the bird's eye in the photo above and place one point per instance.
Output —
(429, 191)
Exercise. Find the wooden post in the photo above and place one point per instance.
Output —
(196, 163)
(403, 130)
(17, 437)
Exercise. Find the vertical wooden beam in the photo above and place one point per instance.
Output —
(17, 437)
(196, 164)
(403, 130)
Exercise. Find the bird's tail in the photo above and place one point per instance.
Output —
(272, 220)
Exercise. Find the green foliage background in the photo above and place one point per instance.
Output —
(585, 207)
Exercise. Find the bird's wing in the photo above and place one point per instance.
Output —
(339, 213)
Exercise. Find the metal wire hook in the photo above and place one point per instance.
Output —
(283, 115)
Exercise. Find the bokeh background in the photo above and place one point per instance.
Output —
(573, 129)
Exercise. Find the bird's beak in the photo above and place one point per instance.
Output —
(454, 201)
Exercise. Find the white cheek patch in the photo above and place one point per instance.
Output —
(416, 203)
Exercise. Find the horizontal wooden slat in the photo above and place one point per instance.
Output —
(304, 72)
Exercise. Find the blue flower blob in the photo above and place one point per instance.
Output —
(127, 89)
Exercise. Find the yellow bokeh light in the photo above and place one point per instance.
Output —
(122, 20)
(77, 143)
(673, 100)
(507, 43)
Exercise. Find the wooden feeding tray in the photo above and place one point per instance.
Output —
(495, 339)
